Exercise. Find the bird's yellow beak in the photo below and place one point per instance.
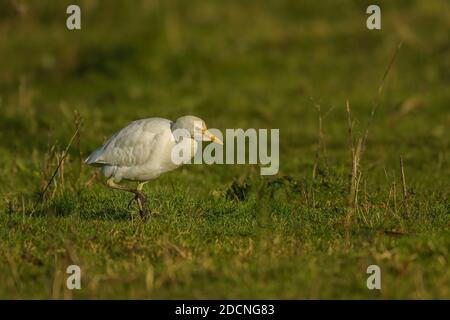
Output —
(208, 136)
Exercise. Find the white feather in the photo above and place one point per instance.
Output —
(140, 151)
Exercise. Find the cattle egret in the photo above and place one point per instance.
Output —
(142, 151)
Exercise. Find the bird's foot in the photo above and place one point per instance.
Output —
(141, 200)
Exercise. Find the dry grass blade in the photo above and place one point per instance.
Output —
(321, 148)
(380, 90)
(78, 121)
(355, 158)
(405, 189)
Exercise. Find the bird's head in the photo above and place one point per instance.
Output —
(196, 128)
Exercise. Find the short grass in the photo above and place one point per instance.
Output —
(225, 231)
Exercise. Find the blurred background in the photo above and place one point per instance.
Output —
(252, 64)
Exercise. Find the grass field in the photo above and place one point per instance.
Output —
(224, 231)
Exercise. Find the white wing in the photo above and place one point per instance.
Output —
(135, 144)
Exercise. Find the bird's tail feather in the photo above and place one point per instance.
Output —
(93, 158)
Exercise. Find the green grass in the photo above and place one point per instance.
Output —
(225, 231)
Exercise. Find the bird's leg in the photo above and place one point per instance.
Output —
(139, 195)
(141, 199)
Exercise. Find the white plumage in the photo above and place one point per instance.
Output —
(142, 150)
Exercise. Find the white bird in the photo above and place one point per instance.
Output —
(142, 151)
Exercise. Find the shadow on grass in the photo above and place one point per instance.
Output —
(68, 205)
